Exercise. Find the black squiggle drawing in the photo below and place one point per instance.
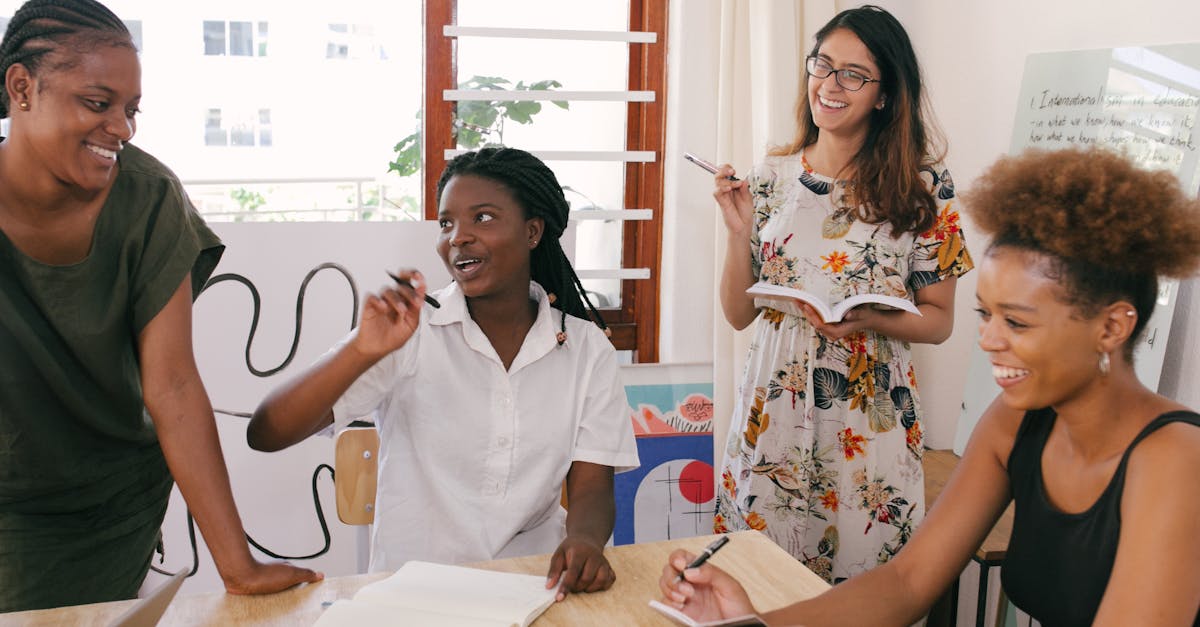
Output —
(220, 278)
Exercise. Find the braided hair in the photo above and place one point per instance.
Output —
(537, 191)
(42, 26)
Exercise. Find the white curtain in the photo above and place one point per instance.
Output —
(763, 44)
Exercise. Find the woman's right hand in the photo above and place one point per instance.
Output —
(707, 593)
(734, 199)
(390, 317)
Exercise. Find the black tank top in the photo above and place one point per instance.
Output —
(1058, 564)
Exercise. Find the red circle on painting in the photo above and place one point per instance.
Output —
(696, 482)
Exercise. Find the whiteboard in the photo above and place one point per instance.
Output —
(1141, 101)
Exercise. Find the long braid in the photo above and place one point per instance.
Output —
(537, 190)
(42, 26)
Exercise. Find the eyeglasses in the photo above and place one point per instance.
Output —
(850, 80)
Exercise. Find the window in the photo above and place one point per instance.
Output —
(135, 32)
(232, 127)
(235, 38)
(214, 134)
(264, 127)
(605, 146)
(353, 41)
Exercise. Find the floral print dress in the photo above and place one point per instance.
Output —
(825, 444)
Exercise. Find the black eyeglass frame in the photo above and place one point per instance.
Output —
(811, 61)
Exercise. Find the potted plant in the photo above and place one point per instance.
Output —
(477, 123)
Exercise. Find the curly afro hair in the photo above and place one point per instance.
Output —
(1107, 228)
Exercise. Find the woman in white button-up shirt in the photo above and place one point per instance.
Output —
(486, 405)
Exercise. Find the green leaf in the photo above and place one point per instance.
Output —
(828, 386)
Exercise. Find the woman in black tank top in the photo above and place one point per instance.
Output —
(1102, 470)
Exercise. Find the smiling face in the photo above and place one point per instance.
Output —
(78, 117)
(1044, 352)
(835, 109)
(486, 239)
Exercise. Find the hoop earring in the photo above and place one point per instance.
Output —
(1105, 364)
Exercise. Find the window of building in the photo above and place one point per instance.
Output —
(135, 32)
(235, 38)
(234, 127)
(353, 41)
(214, 133)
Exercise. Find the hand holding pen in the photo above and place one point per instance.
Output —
(702, 591)
(391, 316)
(732, 195)
(703, 557)
(407, 283)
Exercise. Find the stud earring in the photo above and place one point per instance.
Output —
(1105, 364)
(24, 105)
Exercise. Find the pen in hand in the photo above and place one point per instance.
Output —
(703, 557)
(429, 299)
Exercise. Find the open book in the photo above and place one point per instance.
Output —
(675, 615)
(437, 595)
(831, 312)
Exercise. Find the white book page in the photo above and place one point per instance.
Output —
(835, 313)
(862, 299)
(358, 613)
(516, 598)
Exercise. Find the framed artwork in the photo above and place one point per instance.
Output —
(671, 495)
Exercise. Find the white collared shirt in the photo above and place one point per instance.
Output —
(473, 457)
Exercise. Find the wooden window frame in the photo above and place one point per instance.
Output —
(635, 323)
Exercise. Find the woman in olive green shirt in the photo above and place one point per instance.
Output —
(101, 254)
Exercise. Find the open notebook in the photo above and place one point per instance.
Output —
(147, 611)
(437, 595)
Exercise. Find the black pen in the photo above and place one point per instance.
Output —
(429, 299)
(703, 557)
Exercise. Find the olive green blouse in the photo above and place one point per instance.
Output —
(83, 483)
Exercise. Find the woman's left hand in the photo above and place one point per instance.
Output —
(854, 321)
(270, 577)
(579, 565)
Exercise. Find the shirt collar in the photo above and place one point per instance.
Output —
(542, 337)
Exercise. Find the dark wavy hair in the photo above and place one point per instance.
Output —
(1105, 228)
(539, 194)
(41, 27)
(901, 138)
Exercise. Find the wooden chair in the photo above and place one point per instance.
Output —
(355, 471)
(939, 464)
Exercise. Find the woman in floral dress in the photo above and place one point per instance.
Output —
(824, 449)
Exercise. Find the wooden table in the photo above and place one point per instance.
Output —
(772, 576)
(938, 467)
